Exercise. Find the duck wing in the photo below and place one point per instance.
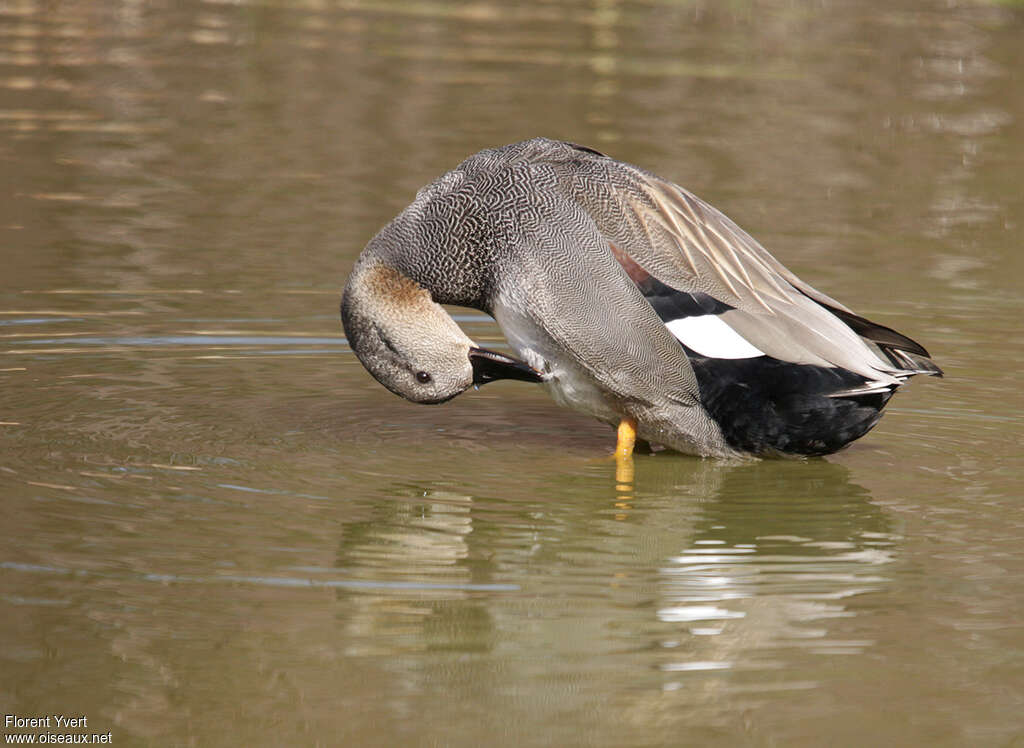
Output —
(752, 304)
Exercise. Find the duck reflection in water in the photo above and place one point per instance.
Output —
(692, 566)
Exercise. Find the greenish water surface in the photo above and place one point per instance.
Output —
(219, 530)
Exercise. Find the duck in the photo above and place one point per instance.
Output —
(627, 298)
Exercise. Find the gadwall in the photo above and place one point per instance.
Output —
(629, 298)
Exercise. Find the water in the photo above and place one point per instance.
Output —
(218, 530)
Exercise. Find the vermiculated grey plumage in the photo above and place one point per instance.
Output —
(563, 246)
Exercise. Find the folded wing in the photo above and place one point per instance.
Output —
(734, 299)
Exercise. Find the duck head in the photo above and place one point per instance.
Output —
(410, 344)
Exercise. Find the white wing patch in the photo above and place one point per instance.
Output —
(710, 336)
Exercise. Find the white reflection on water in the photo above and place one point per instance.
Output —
(687, 613)
(767, 597)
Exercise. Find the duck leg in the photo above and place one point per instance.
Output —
(624, 453)
(627, 437)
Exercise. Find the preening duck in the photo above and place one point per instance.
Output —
(629, 298)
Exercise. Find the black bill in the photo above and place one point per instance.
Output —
(490, 365)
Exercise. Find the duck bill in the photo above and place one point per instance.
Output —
(490, 365)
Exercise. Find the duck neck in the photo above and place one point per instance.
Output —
(454, 267)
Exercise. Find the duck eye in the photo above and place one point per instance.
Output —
(422, 377)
